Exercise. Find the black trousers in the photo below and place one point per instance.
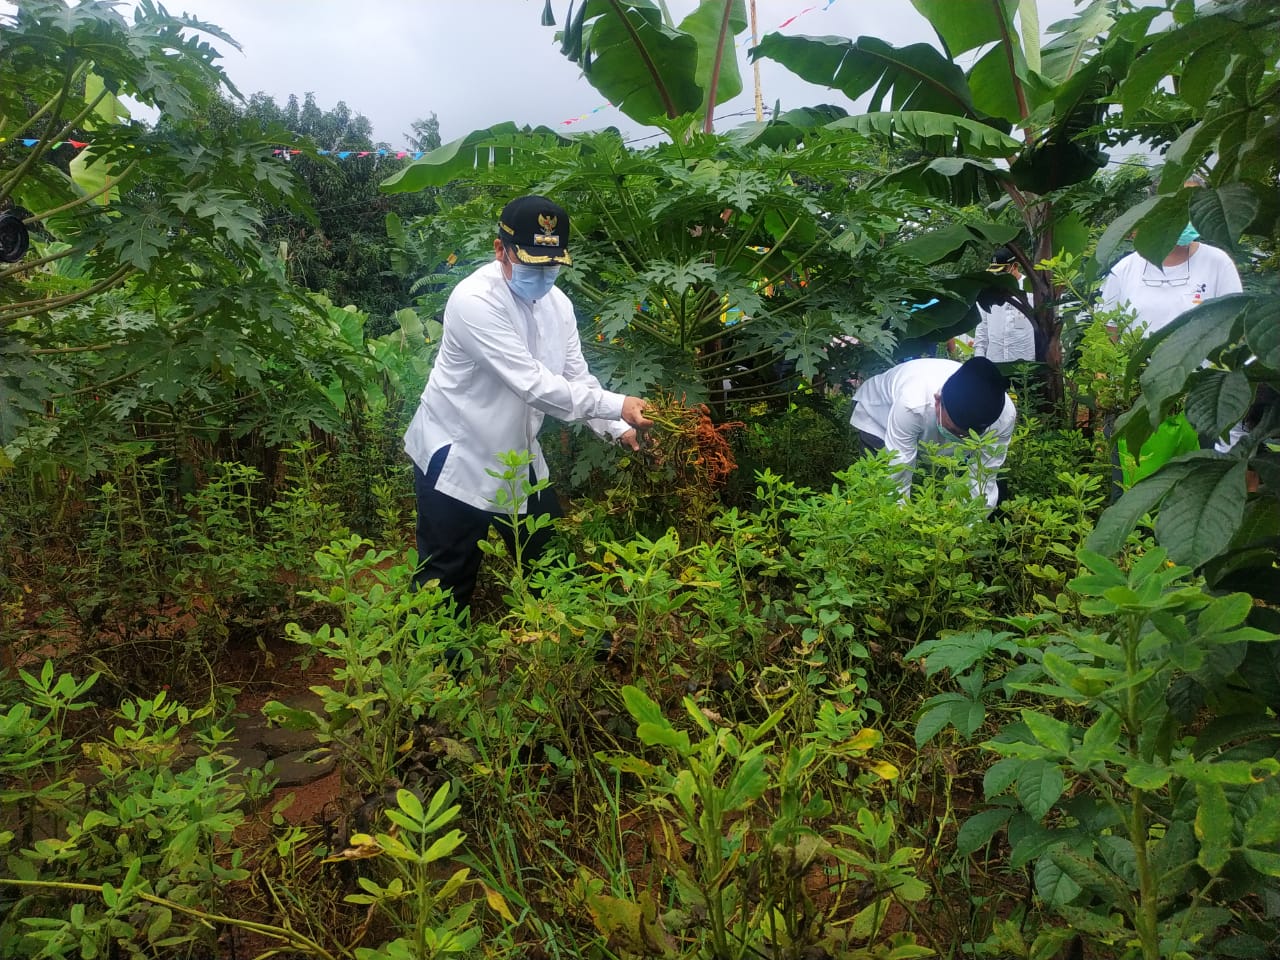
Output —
(869, 443)
(449, 532)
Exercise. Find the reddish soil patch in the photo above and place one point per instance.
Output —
(312, 802)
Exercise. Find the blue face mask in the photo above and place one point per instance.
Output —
(1188, 236)
(532, 283)
(948, 435)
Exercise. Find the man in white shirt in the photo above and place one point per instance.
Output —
(938, 401)
(1004, 333)
(510, 355)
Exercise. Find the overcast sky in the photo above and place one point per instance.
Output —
(474, 63)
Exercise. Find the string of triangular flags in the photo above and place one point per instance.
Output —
(744, 42)
(285, 152)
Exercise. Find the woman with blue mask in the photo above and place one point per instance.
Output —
(1192, 273)
(510, 355)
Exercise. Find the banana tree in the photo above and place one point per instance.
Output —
(1016, 130)
(648, 66)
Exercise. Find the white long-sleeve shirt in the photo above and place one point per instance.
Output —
(899, 407)
(1004, 334)
(503, 365)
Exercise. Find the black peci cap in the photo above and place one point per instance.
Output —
(537, 229)
(974, 395)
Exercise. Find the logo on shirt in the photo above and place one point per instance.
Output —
(1197, 296)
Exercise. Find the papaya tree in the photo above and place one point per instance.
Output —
(137, 299)
(702, 259)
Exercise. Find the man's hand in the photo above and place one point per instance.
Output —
(630, 439)
(633, 413)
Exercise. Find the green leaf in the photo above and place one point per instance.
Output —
(1163, 56)
(1223, 613)
(1068, 52)
(1201, 513)
(962, 180)
(1262, 329)
(1089, 874)
(941, 133)
(1108, 248)
(1119, 519)
(442, 846)
(652, 727)
(461, 157)
(958, 652)
(1178, 349)
(931, 722)
(915, 77)
(1204, 74)
(161, 921)
(1049, 732)
(950, 241)
(964, 26)
(1222, 214)
(997, 87)
(979, 829)
(1218, 400)
(1213, 827)
(1262, 829)
(1145, 776)
(410, 804)
(1158, 229)
(642, 66)
(1000, 776)
(713, 26)
(1053, 885)
(1040, 784)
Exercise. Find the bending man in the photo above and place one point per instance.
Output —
(942, 402)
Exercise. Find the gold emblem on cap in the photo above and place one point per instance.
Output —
(547, 222)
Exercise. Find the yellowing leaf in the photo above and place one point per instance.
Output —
(883, 770)
(865, 739)
(497, 903)
(363, 847)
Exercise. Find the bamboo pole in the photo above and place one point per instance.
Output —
(755, 66)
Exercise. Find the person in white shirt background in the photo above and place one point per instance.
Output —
(938, 401)
(1004, 332)
(1192, 273)
(509, 356)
